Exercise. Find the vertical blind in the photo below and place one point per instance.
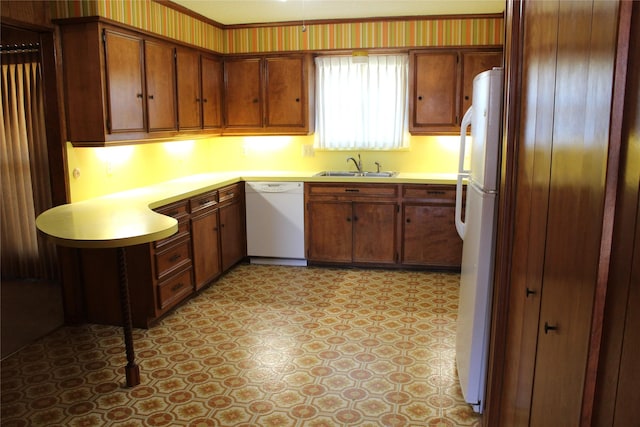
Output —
(362, 105)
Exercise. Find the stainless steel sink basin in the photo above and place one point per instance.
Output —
(358, 174)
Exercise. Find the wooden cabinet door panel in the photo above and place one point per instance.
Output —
(160, 83)
(211, 92)
(474, 63)
(232, 239)
(434, 95)
(330, 231)
(206, 252)
(374, 230)
(124, 82)
(430, 237)
(188, 65)
(284, 92)
(243, 93)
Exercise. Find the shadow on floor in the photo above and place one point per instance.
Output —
(29, 309)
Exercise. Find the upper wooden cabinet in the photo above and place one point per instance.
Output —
(268, 95)
(441, 86)
(199, 90)
(118, 85)
(124, 86)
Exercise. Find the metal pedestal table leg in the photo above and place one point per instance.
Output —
(132, 371)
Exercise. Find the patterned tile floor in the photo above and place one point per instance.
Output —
(264, 346)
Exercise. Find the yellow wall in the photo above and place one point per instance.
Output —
(107, 170)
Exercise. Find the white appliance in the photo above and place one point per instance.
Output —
(275, 222)
(478, 231)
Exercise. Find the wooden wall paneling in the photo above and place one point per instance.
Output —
(616, 391)
(533, 164)
(576, 195)
(505, 241)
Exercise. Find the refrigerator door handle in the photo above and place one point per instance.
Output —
(466, 122)
(462, 173)
(460, 225)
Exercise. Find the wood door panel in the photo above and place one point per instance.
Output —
(330, 231)
(284, 92)
(189, 98)
(160, 82)
(243, 93)
(434, 99)
(233, 237)
(374, 231)
(124, 81)
(430, 236)
(576, 197)
(206, 251)
(211, 92)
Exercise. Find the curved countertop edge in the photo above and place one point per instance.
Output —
(126, 218)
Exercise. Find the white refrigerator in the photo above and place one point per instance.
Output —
(477, 230)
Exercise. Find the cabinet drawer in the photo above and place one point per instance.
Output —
(183, 231)
(172, 258)
(356, 190)
(439, 193)
(176, 210)
(204, 201)
(229, 193)
(175, 289)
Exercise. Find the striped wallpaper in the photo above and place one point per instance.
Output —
(157, 18)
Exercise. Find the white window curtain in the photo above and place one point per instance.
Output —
(362, 105)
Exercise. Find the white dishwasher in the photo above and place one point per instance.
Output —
(275, 222)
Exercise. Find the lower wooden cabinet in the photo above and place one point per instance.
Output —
(351, 223)
(429, 236)
(210, 239)
(382, 224)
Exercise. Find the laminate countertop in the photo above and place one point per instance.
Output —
(127, 218)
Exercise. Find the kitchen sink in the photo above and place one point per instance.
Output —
(358, 174)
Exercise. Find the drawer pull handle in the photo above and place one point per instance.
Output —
(530, 292)
(204, 202)
(177, 286)
(352, 190)
(173, 213)
(436, 192)
(175, 257)
(548, 327)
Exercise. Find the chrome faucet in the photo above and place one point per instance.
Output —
(358, 162)
(378, 165)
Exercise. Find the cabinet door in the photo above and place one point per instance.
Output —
(430, 236)
(232, 238)
(189, 99)
(211, 92)
(206, 252)
(374, 230)
(124, 73)
(243, 93)
(433, 92)
(160, 82)
(330, 231)
(474, 63)
(284, 92)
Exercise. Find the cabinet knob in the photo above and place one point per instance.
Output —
(204, 100)
(348, 219)
(529, 292)
(197, 99)
(139, 95)
(408, 220)
(150, 96)
(355, 218)
(255, 100)
(297, 99)
(466, 97)
(548, 327)
(419, 98)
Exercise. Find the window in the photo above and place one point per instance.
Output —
(361, 105)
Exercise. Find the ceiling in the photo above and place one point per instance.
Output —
(264, 11)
